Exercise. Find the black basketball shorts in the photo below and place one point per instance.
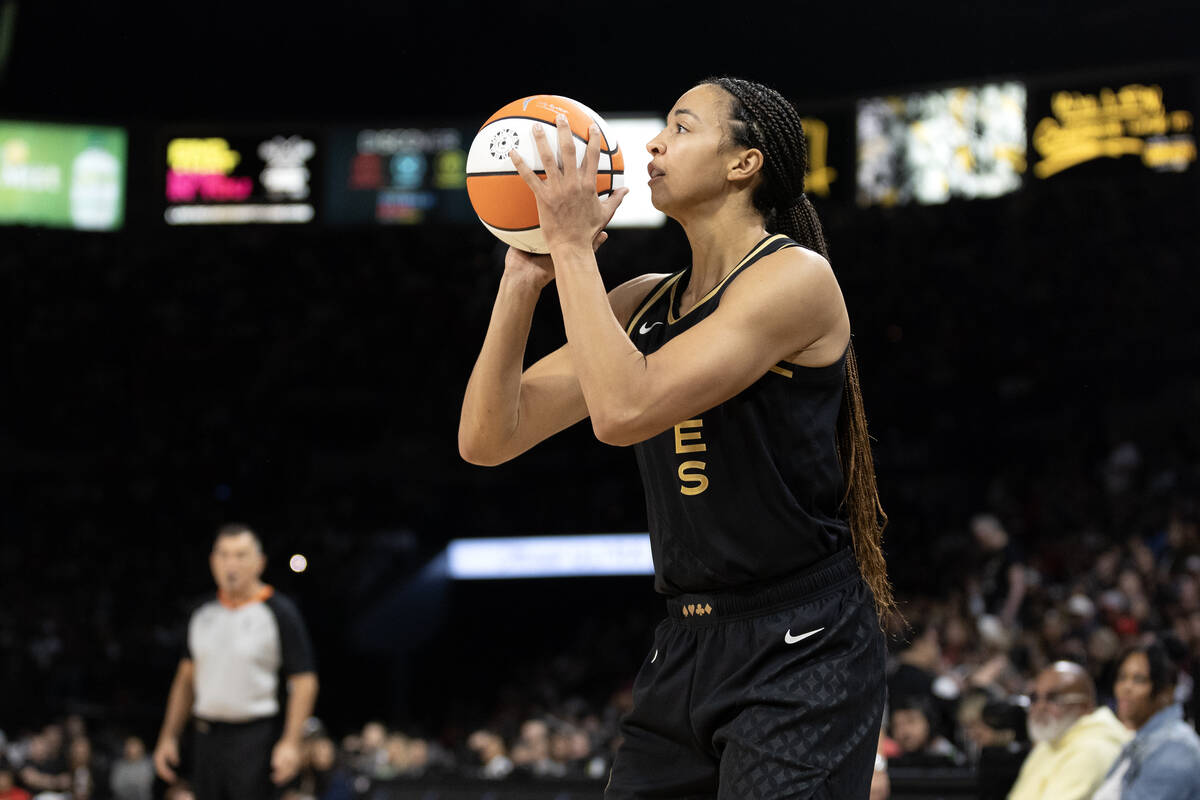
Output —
(775, 693)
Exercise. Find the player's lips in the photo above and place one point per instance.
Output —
(655, 172)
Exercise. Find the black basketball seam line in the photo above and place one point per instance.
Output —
(537, 172)
(574, 135)
(532, 227)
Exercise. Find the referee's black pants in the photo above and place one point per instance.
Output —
(233, 759)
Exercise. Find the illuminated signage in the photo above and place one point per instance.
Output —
(928, 147)
(820, 175)
(237, 180)
(69, 176)
(1131, 121)
(632, 134)
(550, 556)
(398, 176)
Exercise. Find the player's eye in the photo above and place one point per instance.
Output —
(679, 128)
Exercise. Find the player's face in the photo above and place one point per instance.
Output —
(687, 167)
(236, 563)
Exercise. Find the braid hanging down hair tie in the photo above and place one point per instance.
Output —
(762, 118)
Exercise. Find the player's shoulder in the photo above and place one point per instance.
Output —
(792, 273)
(798, 260)
(640, 284)
(627, 297)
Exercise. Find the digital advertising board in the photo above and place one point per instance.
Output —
(233, 178)
(928, 147)
(1113, 128)
(62, 176)
(397, 175)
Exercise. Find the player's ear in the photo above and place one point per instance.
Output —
(744, 164)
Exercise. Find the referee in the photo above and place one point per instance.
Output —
(247, 658)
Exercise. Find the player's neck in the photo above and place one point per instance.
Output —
(718, 244)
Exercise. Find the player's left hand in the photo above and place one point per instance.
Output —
(285, 761)
(569, 209)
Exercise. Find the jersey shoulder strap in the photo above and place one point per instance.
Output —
(653, 297)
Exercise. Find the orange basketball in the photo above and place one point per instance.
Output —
(505, 205)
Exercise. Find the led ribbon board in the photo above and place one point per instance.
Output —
(64, 176)
(550, 556)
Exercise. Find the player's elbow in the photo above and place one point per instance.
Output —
(474, 449)
(472, 453)
(616, 428)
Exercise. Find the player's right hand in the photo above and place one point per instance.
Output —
(166, 755)
(538, 268)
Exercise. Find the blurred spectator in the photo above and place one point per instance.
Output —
(571, 747)
(1075, 742)
(45, 770)
(531, 753)
(1003, 748)
(372, 755)
(915, 730)
(83, 769)
(997, 572)
(8, 788)
(132, 776)
(489, 748)
(918, 671)
(1162, 762)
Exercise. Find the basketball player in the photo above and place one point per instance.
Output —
(735, 381)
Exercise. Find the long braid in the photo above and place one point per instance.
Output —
(762, 118)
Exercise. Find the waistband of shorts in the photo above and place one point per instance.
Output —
(207, 725)
(728, 604)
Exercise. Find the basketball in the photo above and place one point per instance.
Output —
(499, 196)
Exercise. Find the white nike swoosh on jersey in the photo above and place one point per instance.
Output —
(647, 327)
(787, 637)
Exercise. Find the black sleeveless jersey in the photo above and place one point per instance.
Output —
(748, 491)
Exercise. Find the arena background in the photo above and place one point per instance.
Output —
(1032, 355)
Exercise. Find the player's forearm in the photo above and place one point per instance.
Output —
(302, 698)
(490, 406)
(610, 369)
(179, 708)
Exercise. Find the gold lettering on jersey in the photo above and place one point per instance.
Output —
(684, 432)
(691, 474)
(688, 440)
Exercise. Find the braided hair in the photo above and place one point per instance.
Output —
(762, 118)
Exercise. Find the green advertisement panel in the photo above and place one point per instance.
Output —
(65, 176)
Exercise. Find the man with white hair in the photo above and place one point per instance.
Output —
(1074, 741)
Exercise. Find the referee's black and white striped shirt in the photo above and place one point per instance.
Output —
(243, 655)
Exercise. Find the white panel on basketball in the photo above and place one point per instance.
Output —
(531, 241)
(489, 151)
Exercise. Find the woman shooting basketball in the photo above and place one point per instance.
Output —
(735, 381)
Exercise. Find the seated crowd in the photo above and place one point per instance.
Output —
(1041, 686)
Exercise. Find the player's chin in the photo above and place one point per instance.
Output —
(660, 199)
